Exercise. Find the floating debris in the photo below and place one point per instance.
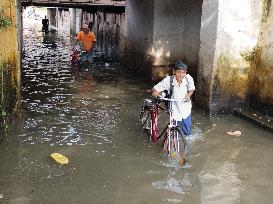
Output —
(59, 158)
(236, 133)
(174, 155)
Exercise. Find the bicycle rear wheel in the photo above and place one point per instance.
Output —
(146, 121)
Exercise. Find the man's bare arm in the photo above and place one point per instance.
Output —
(188, 96)
(155, 92)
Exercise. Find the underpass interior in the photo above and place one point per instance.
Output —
(111, 159)
(95, 121)
(157, 33)
(152, 43)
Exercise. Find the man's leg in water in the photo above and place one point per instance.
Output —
(185, 125)
(83, 58)
(90, 56)
(90, 60)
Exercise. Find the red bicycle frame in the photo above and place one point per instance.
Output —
(154, 116)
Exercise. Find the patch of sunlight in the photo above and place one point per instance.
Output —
(240, 25)
(160, 53)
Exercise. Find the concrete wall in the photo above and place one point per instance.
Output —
(191, 42)
(73, 18)
(139, 18)
(238, 32)
(228, 34)
(208, 36)
(168, 37)
(226, 43)
(175, 34)
(52, 17)
(9, 63)
(261, 59)
(108, 26)
(63, 21)
(60, 20)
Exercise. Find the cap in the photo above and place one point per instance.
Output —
(85, 26)
(180, 65)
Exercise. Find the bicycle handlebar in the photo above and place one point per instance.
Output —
(172, 100)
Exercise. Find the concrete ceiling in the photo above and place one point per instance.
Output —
(73, 3)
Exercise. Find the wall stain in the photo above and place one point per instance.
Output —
(260, 94)
(232, 76)
(247, 81)
(9, 93)
(243, 82)
(229, 84)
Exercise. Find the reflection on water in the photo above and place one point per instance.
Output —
(221, 184)
(180, 185)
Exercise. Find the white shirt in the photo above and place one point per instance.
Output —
(180, 110)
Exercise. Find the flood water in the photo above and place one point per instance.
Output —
(94, 122)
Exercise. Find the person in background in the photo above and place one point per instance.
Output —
(88, 40)
(45, 24)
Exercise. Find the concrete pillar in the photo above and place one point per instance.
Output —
(228, 34)
(63, 21)
(78, 19)
(52, 17)
(19, 26)
(72, 21)
(208, 36)
(176, 34)
(139, 21)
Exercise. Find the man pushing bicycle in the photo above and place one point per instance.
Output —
(88, 40)
(180, 87)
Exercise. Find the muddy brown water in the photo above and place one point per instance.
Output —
(95, 124)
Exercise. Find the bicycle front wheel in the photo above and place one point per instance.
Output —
(178, 145)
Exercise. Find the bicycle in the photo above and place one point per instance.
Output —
(77, 59)
(174, 141)
(149, 115)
